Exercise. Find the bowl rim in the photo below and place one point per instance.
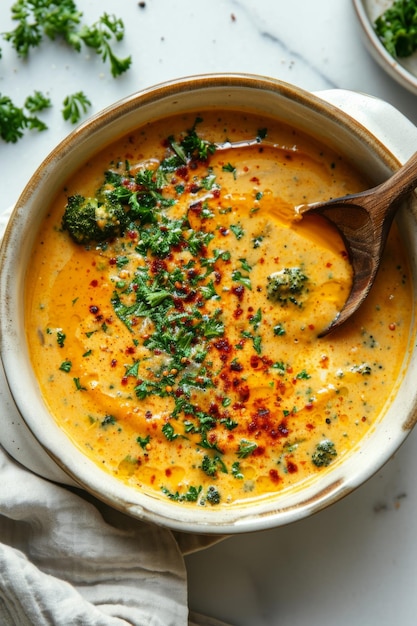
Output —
(117, 496)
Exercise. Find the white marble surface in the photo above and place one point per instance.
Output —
(355, 563)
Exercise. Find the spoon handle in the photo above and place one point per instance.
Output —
(384, 199)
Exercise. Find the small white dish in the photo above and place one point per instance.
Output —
(403, 70)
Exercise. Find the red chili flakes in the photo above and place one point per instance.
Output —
(113, 363)
(94, 309)
(217, 277)
(94, 283)
(291, 467)
(244, 393)
(124, 381)
(259, 451)
(236, 367)
(182, 172)
(237, 312)
(130, 350)
(192, 273)
(168, 472)
(328, 264)
(392, 326)
(283, 429)
(222, 345)
(274, 476)
(196, 208)
(238, 291)
(254, 361)
(112, 261)
(224, 231)
(132, 234)
(158, 265)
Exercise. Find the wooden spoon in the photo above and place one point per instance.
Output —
(363, 220)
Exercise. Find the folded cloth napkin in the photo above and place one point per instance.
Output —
(69, 560)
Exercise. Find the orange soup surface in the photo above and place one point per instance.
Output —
(179, 347)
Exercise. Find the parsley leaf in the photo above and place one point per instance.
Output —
(14, 120)
(98, 37)
(61, 18)
(74, 105)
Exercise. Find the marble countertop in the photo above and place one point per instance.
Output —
(355, 563)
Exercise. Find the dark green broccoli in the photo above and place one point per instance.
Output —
(211, 465)
(324, 453)
(285, 285)
(88, 219)
(213, 495)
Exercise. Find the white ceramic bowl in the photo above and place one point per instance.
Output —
(23, 405)
(403, 70)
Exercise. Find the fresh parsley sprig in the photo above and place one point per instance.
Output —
(37, 19)
(99, 37)
(15, 120)
(74, 105)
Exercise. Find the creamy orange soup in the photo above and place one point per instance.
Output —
(182, 355)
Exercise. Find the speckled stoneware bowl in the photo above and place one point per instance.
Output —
(30, 433)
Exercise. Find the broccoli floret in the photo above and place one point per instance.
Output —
(211, 465)
(324, 453)
(285, 285)
(213, 495)
(88, 219)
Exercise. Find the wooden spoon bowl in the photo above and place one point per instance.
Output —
(364, 220)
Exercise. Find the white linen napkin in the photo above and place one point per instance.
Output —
(67, 559)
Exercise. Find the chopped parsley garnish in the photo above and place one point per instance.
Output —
(230, 168)
(246, 448)
(143, 441)
(397, 28)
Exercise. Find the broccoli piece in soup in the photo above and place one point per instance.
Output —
(324, 453)
(88, 219)
(287, 285)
